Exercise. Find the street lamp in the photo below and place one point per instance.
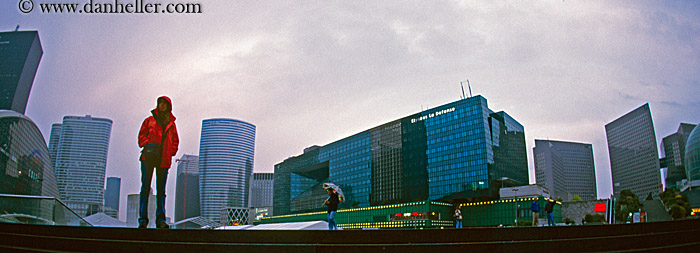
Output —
(515, 190)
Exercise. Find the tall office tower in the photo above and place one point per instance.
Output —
(25, 167)
(673, 148)
(261, 190)
(81, 160)
(565, 168)
(187, 188)
(460, 151)
(132, 210)
(20, 53)
(226, 153)
(634, 156)
(53, 142)
(112, 197)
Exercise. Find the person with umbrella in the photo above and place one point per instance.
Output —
(334, 197)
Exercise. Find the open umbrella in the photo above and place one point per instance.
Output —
(335, 188)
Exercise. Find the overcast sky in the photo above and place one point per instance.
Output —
(311, 73)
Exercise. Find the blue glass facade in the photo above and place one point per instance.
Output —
(453, 151)
(24, 158)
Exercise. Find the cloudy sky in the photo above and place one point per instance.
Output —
(311, 73)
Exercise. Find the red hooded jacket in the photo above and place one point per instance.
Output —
(152, 132)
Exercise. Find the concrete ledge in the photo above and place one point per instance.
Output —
(672, 235)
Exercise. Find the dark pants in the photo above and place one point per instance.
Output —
(146, 176)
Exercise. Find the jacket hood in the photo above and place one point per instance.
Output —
(167, 100)
(170, 107)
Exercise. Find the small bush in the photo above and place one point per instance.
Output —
(594, 218)
(677, 212)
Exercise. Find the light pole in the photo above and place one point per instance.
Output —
(515, 190)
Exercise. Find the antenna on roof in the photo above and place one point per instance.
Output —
(460, 84)
(17, 27)
(470, 88)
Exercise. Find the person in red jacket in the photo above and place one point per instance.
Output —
(158, 137)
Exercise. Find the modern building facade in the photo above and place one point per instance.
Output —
(673, 149)
(457, 151)
(226, 152)
(187, 188)
(53, 142)
(111, 207)
(565, 168)
(25, 167)
(261, 189)
(20, 52)
(81, 159)
(692, 158)
(634, 156)
(132, 210)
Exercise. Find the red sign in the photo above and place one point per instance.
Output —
(599, 208)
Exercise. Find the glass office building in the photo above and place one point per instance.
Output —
(457, 151)
(261, 190)
(20, 52)
(634, 156)
(24, 158)
(226, 154)
(692, 158)
(81, 162)
(565, 168)
(673, 149)
(187, 188)
(112, 192)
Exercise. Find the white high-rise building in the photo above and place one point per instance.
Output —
(225, 165)
(81, 160)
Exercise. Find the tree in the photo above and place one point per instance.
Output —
(671, 197)
(627, 203)
(576, 198)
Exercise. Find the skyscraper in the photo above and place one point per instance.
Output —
(20, 53)
(261, 190)
(565, 168)
(673, 148)
(112, 197)
(226, 152)
(634, 156)
(456, 151)
(187, 188)
(81, 160)
(53, 142)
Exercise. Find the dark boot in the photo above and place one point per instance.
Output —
(162, 225)
(143, 225)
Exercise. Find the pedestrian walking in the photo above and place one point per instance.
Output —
(159, 140)
(332, 203)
